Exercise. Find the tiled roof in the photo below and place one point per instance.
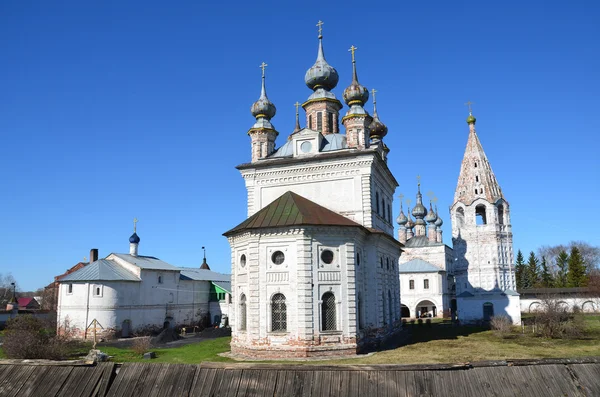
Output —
(418, 266)
(101, 270)
(292, 209)
(146, 262)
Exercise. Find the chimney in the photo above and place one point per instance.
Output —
(93, 255)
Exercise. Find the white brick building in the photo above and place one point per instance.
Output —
(315, 264)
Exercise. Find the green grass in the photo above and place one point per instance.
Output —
(436, 343)
(194, 353)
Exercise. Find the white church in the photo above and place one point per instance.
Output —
(124, 294)
(316, 262)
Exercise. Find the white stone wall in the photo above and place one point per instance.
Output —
(148, 303)
(347, 186)
(470, 309)
(303, 278)
(586, 304)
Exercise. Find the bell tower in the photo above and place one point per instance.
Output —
(481, 229)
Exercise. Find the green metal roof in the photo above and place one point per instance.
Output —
(292, 210)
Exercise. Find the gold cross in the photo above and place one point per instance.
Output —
(419, 180)
(84, 259)
(320, 25)
(263, 66)
(430, 194)
(352, 49)
(297, 106)
(135, 221)
(469, 103)
(435, 200)
(373, 91)
(400, 196)
(408, 201)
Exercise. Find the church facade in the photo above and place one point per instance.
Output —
(315, 265)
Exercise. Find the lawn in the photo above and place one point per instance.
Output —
(437, 343)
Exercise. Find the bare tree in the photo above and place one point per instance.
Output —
(6, 288)
(589, 253)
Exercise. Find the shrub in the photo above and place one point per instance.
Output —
(141, 345)
(554, 321)
(28, 337)
(501, 324)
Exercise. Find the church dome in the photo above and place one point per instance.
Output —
(471, 119)
(355, 93)
(263, 108)
(377, 129)
(134, 239)
(439, 222)
(321, 74)
(419, 211)
(431, 216)
(409, 222)
(401, 219)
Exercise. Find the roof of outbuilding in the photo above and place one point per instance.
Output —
(192, 273)
(418, 266)
(101, 270)
(225, 285)
(146, 262)
(291, 209)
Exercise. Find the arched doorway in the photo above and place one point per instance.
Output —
(426, 308)
(588, 307)
(488, 311)
(126, 329)
(404, 311)
(534, 307)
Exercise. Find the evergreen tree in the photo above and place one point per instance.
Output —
(519, 270)
(562, 267)
(576, 275)
(545, 276)
(533, 271)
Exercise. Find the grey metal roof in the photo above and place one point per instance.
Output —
(465, 294)
(334, 142)
(101, 270)
(193, 273)
(420, 241)
(146, 262)
(418, 266)
(511, 292)
(226, 285)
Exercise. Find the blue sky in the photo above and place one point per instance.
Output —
(115, 110)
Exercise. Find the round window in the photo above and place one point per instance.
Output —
(278, 257)
(243, 260)
(306, 147)
(327, 256)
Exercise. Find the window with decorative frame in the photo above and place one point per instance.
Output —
(278, 313)
(426, 283)
(242, 325)
(328, 317)
(411, 284)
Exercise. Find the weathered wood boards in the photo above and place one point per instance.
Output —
(519, 378)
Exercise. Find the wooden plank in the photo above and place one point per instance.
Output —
(249, 382)
(52, 382)
(185, 374)
(170, 380)
(125, 380)
(306, 382)
(266, 383)
(32, 381)
(107, 374)
(153, 372)
(199, 379)
(588, 376)
(209, 379)
(231, 389)
(160, 378)
(20, 376)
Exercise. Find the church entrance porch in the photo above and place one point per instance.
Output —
(426, 309)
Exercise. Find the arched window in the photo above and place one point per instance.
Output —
(387, 263)
(460, 217)
(501, 214)
(383, 308)
(476, 178)
(383, 207)
(377, 202)
(310, 123)
(320, 121)
(480, 216)
(359, 312)
(330, 122)
(328, 320)
(381, 262)
(390, 307)
(358, 259)
(243, 312)
(278, 313)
